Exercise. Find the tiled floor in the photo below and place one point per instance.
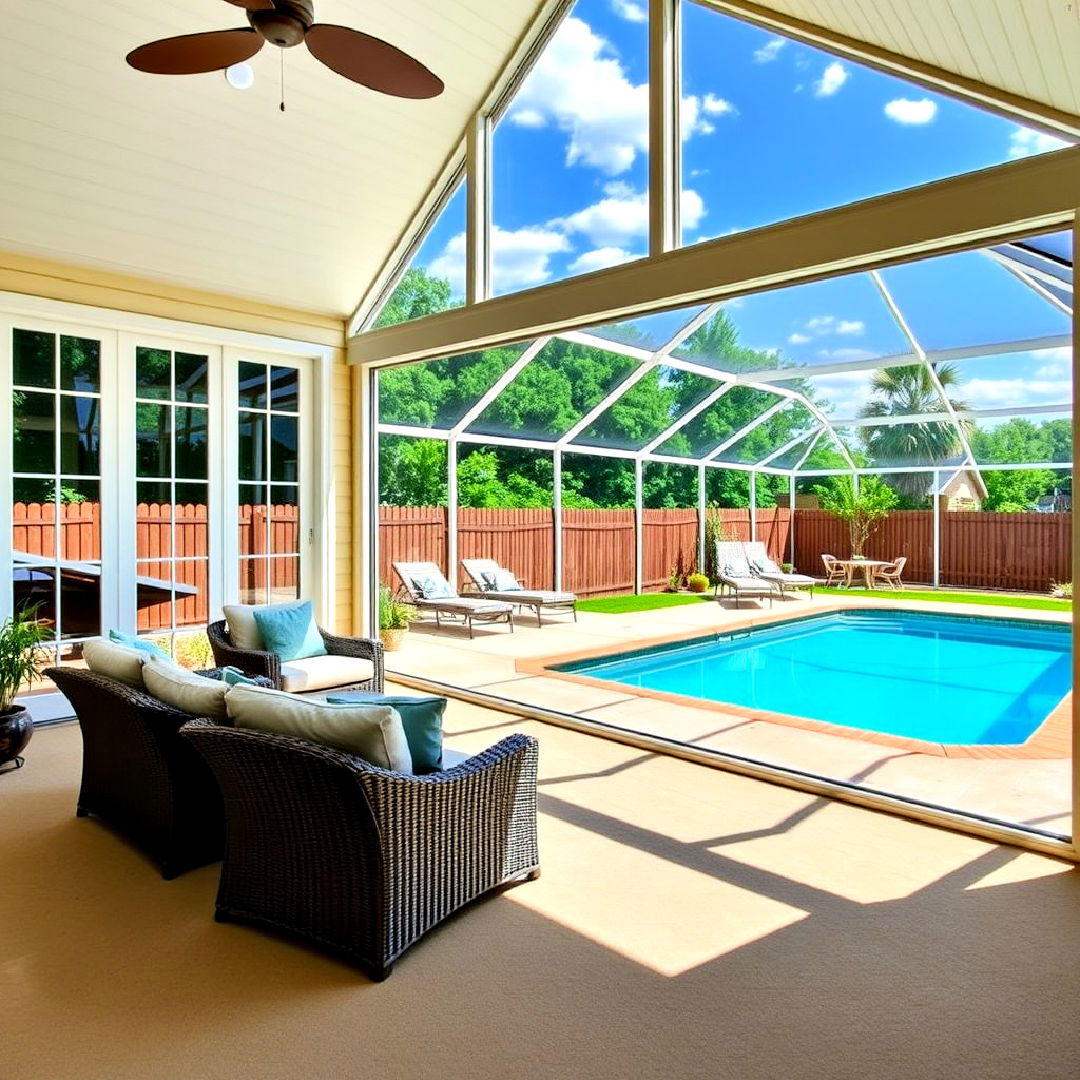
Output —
(1033, 791)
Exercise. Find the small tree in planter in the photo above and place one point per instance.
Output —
(395, 617)
(21, 662)
(863, 512)
(715, 529)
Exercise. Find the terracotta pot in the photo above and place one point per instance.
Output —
(392, 639)
(16, 727)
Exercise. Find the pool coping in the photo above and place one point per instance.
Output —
(1051, 739)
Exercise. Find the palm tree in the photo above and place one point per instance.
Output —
(910, 391)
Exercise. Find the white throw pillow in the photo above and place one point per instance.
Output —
(243, 629)
(115, 661)
(184, 690)
(372, 732)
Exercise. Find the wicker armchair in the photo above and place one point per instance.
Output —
(139, 776)
(268, 664)
(357, 860)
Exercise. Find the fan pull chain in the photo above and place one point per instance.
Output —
(282, 52)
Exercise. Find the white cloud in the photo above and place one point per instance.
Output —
(600, 259)
(622, 216)
(1026, 142)
(580, 87)
(845, 391)
(630, 11)
(821, 324)
(717, 106)
(907, 111)
(769, 51)
(833, 77)
(850, 326)
(799, 339)
(995, 393)
(520, 258)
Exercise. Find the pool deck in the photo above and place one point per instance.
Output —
(1028, 784)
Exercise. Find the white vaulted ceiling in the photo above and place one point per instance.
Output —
(185, 180)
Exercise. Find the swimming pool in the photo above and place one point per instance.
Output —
(945, 679)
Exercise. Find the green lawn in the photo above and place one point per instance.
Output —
(621, 605)
(1015, 600)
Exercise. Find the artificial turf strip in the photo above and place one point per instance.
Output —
(619, 605)
(1032, 603)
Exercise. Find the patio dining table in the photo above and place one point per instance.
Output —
(868, 568)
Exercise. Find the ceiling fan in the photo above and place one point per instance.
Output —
(364, 59)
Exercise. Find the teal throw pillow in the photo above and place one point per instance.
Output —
(421, 717)
(233, 676)
(432, 587)
(133, 642)
(290, 631)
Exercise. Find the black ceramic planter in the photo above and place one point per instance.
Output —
(16, 727)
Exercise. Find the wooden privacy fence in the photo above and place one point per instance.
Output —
(164, 532)
(991, 551)
(598, 545)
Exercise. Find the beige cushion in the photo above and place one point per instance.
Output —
(372, 732)
(184, 690)
(243, 629)
(115, 661)
(322, 672)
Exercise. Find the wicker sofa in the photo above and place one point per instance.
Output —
(357, 860)
(269, 665)
(139, 776)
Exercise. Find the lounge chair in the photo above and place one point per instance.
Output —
(430, 591)
(735, 574)
(835, 573)
(758, 557)
(892, 573)
(499, 584)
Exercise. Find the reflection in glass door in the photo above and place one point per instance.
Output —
(172, 492)
(56, 484)
(269, 473)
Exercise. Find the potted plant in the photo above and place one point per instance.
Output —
(21, 662)
(394, 618)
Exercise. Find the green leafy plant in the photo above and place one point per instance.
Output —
(697, 582)
(715, 529)
(1062, 589)
(394, 614)
(674, 579)
(21, 660)
(863, 510)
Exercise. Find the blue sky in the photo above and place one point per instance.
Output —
(772, 129)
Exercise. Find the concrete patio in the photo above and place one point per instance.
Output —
(1032, 791)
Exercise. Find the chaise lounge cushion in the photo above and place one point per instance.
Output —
(323, 672)
(184, 690)
(372, 732)
(115, 661)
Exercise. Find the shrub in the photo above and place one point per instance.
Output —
(697, 582)
(1062, 589)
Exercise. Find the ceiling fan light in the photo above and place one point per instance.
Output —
(240, 76)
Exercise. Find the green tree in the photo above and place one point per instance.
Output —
(863, 506)
(910, 391)
(417, 294)
(1017, 441)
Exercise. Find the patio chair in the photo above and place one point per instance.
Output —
(892, 573)
(355, 859)
(492, 580)
(139, 776)
(354, 662)
(430, 591)
(735, 575)
(758, 557)
(835, 574)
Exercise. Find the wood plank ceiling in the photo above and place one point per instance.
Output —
(1029, 48)
(188, 181)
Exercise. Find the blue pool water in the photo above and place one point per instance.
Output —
(963, 680)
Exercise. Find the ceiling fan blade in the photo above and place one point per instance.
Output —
(253, 5)
(192, 54)
(371, 62)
